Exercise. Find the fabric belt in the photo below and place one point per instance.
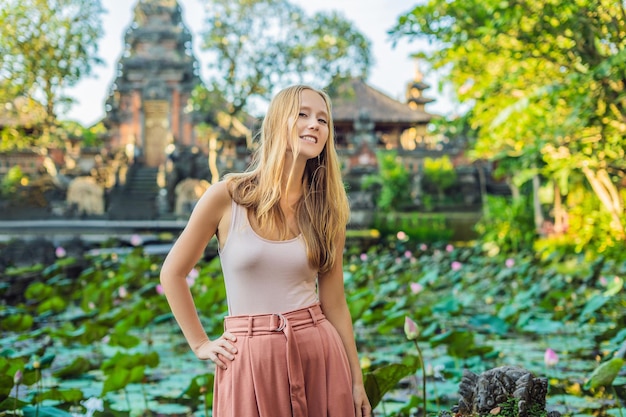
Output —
(286, 323)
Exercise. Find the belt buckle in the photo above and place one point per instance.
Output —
(283, 322)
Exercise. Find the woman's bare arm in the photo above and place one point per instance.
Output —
(333, 300)
(203, 224)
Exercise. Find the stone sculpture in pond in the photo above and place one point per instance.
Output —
(487, 393)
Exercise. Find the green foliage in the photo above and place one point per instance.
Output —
(123, 369)
(605, 374)
(545, 81)
(335, 49)
(262, 45)
(45, 412)
(117, 333)
(23, 118)
(507, 225)
(11, 181)
(89, 136)
(383, 379)
(210, 103)
(440, 173)
(392, 181)
(588, 229)
(464, 309)
(201, 388)
(510, 408)
(460, 344)
(16, 321)
(47, 46)
(418, 227)
(107, 313)
(76, 368)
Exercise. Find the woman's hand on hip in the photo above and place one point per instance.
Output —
(220, 350)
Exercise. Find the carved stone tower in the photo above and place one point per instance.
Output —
(415, 91)
(145, 110)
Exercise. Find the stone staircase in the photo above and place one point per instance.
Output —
(136, 200)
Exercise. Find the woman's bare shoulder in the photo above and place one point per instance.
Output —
(215, 200)
(220, 191)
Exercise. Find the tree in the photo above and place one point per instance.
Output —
(440, 173)
(393, 180)
(335, 50)
(47, 46)
(547, 79)
(259, 45)
(21, 119)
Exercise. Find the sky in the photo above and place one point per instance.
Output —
(392, 70)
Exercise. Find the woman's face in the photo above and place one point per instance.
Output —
(312, 124)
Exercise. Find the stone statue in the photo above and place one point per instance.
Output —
(183, 163)
(86, 195)
(480, 394)
(188, 192)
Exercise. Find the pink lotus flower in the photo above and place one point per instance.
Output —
(456, 265)
(416, 287)
(408, 254)
(60, 252)
(17, 378)
(423, 247)
(136, 240)
(364, 257)
(122, 292)
(160, 290)
(191, 277)
(410, 328)
(449, 248)
(550, 358)
(401, 235)
(194, 273)
(510, 263)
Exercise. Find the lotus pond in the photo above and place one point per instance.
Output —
(93, 335)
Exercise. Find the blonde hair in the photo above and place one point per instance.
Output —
(322, 212)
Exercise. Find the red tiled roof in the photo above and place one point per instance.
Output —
(355, 95)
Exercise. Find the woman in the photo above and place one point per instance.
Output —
(288, 347)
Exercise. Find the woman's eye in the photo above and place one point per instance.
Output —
(302, 114)
(322, 121)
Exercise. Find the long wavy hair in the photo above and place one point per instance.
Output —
(322, 212)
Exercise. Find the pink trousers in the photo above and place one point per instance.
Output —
(288, 365)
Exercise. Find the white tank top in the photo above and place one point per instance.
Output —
(264, 276)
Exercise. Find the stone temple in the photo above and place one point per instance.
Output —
(145, 110)
(159, 157)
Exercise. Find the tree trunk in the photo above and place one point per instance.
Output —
(560, 215)
(515, 192)
(609, 196)
(215, 174)
(50, 119)
(482, 183)
(539, 219)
